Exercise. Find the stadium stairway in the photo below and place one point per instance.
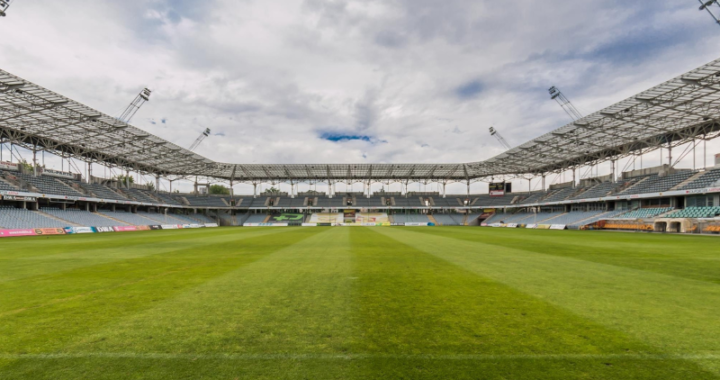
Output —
(72, 188)
(594, 218)
(687, 181)
(49, 216)
(433, 220)
(8, 183)
(267, 218)
(626, 190)
(549, 220)
(111, 218)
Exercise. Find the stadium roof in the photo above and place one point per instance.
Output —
(670, 114)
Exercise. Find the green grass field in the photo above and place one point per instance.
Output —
(360, 303)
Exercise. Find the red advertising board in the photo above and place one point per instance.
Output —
(124, 228)
(11, 233)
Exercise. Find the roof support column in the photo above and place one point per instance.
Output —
(670, 164)
(35, 160)
(543, 182)
(468, 188)
(127, 179)
(157, 183)
(254, 189)
(612, 163)
(89, 170)
(232, 194)
(574, 185)
(444, 183)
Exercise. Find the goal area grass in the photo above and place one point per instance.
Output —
(360, 303)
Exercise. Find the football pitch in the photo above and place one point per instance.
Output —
(360, 303)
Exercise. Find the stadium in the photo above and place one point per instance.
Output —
(216, 269)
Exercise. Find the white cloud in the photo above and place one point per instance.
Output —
(268, 77)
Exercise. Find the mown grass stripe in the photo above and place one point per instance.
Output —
(22, 262)
(353, 356)
(689, 257)
(297, 297)
(628, 300)
(56, 324)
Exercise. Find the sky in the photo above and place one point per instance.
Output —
(362, 81)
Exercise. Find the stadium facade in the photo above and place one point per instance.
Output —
(683, 111)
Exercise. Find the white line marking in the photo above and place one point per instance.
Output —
(463, 357)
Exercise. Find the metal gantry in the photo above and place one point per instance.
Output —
(500, 139)
(200, 139)
(679, 111)
(565, 103)
(707, 5)
(4, 5)
(134, 106)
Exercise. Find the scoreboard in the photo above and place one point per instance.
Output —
(498, 189)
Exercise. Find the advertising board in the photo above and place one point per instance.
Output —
(4, 165)
(79, 230)
(125, 228)
(19, 232)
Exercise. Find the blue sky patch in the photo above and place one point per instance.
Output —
(338, 137)
(469, 90)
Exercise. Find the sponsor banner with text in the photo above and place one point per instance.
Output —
(155, 227)
(4, 165)
(310, 224)
(411, 224)
(170, 226)
(104, 229)
(557, 227)
(57, 173)
(20, 232)
(211, 225)
(49, 231)
(79, 230)
(19, 198)
(125, 228)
